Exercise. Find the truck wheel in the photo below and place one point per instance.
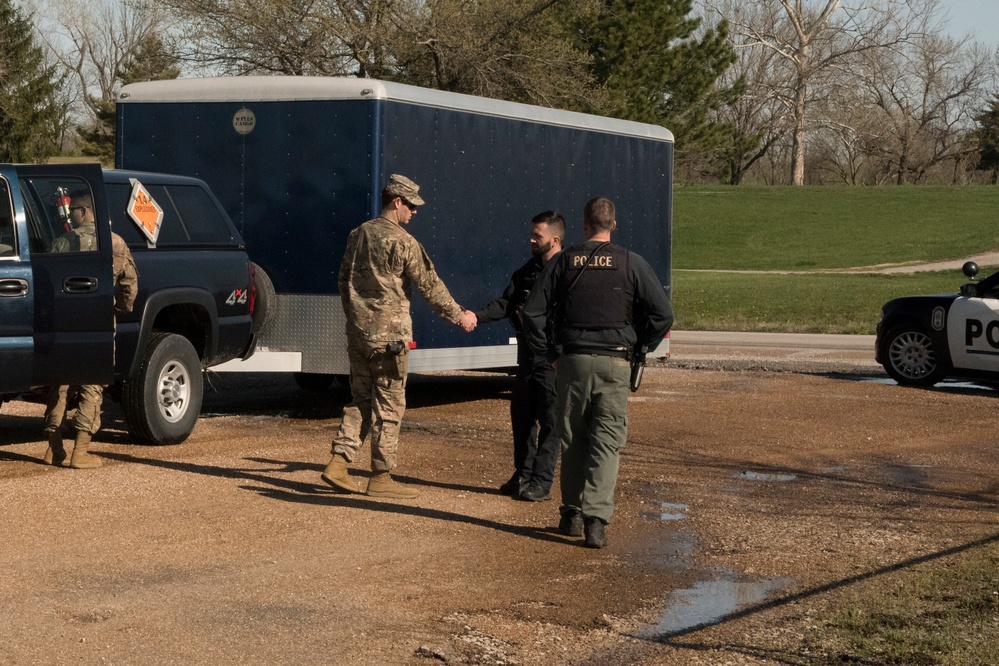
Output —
(910, 357)
(265, 300)
(161, 403)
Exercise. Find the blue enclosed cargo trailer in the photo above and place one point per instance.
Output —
(298, 162)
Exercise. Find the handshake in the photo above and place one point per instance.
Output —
(468, 321)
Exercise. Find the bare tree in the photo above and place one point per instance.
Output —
(927, 92)
(815, 39)
(94, 39)
(758, 118)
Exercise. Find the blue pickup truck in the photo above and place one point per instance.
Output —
(195, 298)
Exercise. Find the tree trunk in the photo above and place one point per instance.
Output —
(798, 136)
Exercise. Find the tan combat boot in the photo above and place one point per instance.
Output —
(56, 453)
(81, 459)
(336, 475)
(383, 485)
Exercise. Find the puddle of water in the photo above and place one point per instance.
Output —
(676, 551)
(666, 516)
(945, 383)
(765, 476)
(709, 601)
(652, 515)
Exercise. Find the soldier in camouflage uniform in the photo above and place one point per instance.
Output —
(381, 265)
(88, 398)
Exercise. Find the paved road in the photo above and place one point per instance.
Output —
(789, 352)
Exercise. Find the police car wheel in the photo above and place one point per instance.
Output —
(911, 357)
(162, 401)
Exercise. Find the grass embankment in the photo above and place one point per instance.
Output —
(814, 229)
(943, 613)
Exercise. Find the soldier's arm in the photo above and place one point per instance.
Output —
(126, 276)
(420, 270)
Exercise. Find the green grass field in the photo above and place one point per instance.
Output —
(817, 228)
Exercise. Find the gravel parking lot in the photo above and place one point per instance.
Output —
(752, 494)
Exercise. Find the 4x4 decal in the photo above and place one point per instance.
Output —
(238, 296)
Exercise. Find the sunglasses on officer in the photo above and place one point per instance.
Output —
(410, 206)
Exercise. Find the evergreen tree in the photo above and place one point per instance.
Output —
(648, 56)
(30, 115)
(150, 62)
(988, 140)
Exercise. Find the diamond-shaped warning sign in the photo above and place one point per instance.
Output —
(144, 211)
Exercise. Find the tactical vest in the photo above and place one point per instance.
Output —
(602, 297)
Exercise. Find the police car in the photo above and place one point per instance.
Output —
(922, 339)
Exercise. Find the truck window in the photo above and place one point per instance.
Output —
(189, 216)
(8, 248)
(60, 214)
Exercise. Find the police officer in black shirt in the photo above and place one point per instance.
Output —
(533, 410)
(598, 304)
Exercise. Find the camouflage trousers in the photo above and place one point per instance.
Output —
(378, 402)
(85, 399)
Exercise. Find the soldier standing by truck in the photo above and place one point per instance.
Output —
(82, 237)
(533, 409)
(381, 264)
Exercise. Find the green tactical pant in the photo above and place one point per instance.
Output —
(593, 398)
(378, 402)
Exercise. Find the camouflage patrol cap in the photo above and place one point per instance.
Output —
(400, 186)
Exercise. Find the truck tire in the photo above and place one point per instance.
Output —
(265, 301)
(161, 403)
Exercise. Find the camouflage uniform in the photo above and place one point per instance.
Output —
(381, 265)
(88, 398)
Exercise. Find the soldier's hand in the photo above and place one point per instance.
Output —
(468, 321)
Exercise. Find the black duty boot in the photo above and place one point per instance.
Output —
(571, 524)
(534, 493)
(596, 537)
(512, 487)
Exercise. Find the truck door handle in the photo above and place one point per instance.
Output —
(79, 285)
(13, 287)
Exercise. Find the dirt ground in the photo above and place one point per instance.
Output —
(748, 500)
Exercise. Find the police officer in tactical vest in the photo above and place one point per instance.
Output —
(592, 309)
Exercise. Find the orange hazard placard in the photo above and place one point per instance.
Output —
(144, 211)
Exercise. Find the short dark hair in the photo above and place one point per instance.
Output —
(82, 198)
(387, 198)
(553, 219)
(600, 214)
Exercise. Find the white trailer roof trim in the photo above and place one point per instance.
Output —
(316, 88)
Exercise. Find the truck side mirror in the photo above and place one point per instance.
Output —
(969, 290)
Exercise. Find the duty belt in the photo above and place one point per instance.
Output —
(616, 352)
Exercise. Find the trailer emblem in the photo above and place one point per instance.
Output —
(244, 121)
(145, 212)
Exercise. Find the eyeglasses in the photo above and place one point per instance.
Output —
(410, 206)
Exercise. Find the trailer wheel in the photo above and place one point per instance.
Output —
(161, 403)
(314, 381)
(265, 300)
